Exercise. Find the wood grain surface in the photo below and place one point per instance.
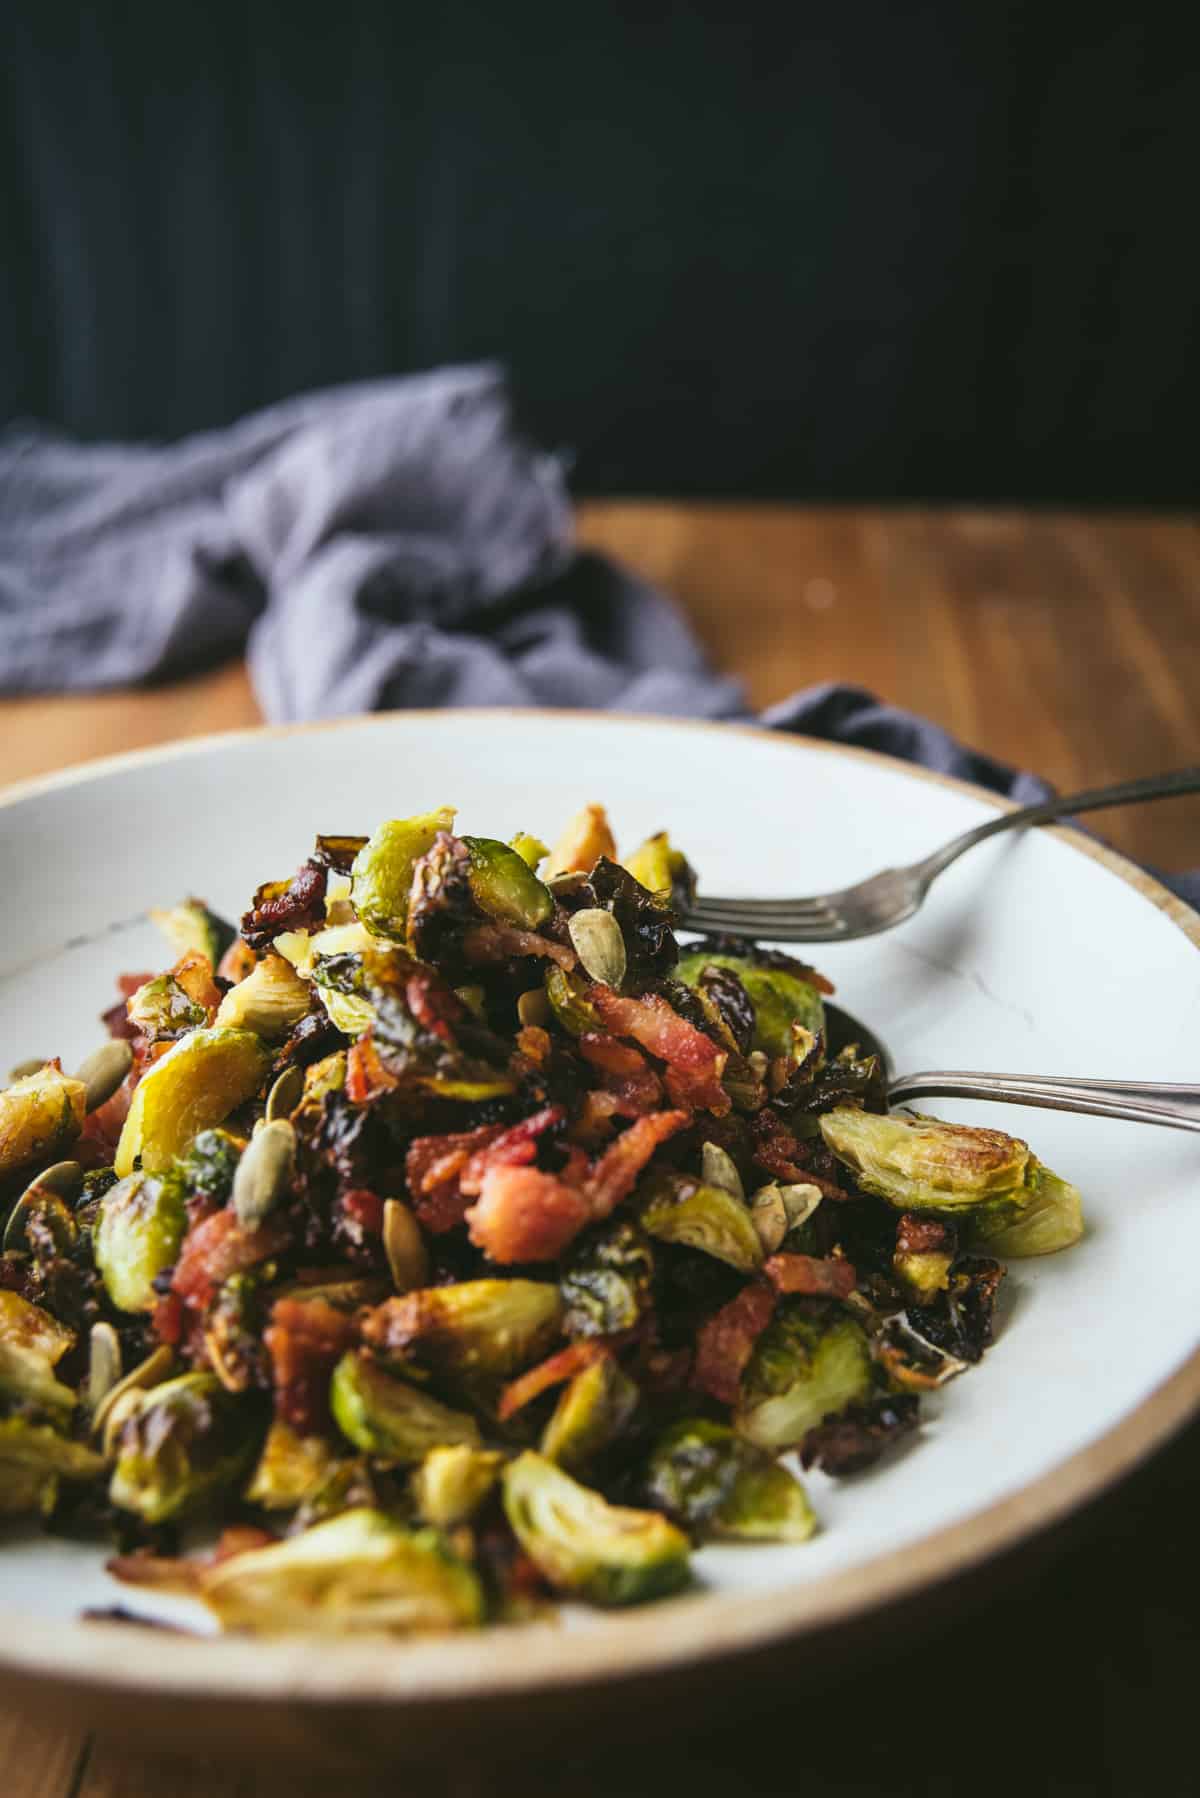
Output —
(1064, 644)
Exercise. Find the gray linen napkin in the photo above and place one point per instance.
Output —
(393, 543)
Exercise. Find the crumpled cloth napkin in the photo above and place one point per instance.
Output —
(391, 543)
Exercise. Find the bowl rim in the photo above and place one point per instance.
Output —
(106, 1656)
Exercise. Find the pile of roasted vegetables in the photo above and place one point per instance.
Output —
(454, 1238)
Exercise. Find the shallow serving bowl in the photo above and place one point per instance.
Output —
(1044, 954)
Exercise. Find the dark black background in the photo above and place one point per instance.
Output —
(873, 249)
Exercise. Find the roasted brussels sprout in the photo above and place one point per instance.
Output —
(34, 1457)
(180, 1444)
(608, 1554)
(809, 1364)
(572, 1009)
(490, 1327)
(26, 1326)
(28, 1381)
(922, 1164)
(195, 1085)
(531, 849)
(383, 869)
(358, 1571)
(270, 1001)
(664, 871)
(39, 1115)
(191, 929)
(452, 1482)
(291, 1469)
(504, 886)
(163, 1010)
(390, 1418)
(339, 981)
(606, 1283)
(138, 1231)
(593, 1410)
(680, 1208)
(586, 838)
(206, 1168)
(780, 998)
(716, 1483)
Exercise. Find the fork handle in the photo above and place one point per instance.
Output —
(1178, 1107)
(1154, 786)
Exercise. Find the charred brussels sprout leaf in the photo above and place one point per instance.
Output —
(809, 1364)
(206, 1168)
(291, 1469)
(162, 1010)
(26, 1326)
(1051, 1219)
(340, 982)
(382, 874)
(387, 1417)
(679, 1208)
(715, 1483)
(181, 1444)
(958, 1320)
(854, 1440)
(34, 1457)
(137, 1234)
(606, 1285)
(39, 1115)
(645, 924)
(593, 1411)
(489, 1327)
(358, 1571)
(608, 1554)
(781, 999)
(504, 886)
(271, 1000)
(452, 1483)
(196, 1084)
(192, 929)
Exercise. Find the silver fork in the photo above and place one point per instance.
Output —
(895, 894)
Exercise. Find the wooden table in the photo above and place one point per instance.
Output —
(1065, 644)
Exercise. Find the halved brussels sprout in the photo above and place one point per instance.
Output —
(593, 1410)
(270, 1001)
(191, 928)
(488, 1327)
(162, 1008)
(34, 1457)
(358, 1571)
(923, 1164)
(504, 885)
(1051, 1219)
(807, 1365)
(608, 1554)
(452, 1482)
(196, 1084)
(137, 1234)
(780, 999)
(338, 979)
(290, 1470)
(664, 871)
(27, 1326)
(39, 1115)
(387, 1417)
(383, 870)
(606, 1283)
(716, 1483)
(679, 1208)
(180, 1444)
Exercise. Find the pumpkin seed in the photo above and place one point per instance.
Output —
(264, 1173)
(23, 1069)
(104, 1071)
(112, 1411)
(104, 1364)
(776, 1209)
(47, 1195)
(533, 1008)
(286, 1094)
(717, 1169)
(404, 1246)
(598, 942)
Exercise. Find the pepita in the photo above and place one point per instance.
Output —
(103, 1072)
(264, 1173)
(47, 1197)
(23, 1069)
(533, 1008)
(776, 1209)
(286, 1093)
(104, 1364)
(111, 1411)
(404, 1246)
(598, 942)
(717, 1168)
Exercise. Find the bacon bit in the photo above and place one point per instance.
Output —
(193, 972)
(831, 1277)
(920, 1235)
(431, 1171)
(559, 1368)
(168, 1319)
(515, 1146)
(219, 1247)
(305, 1338)
(97, 1141)
(523, 1214)
(366, 1076)
(240, 1539)
(363, 1211)
(296, 904)
(585, 839)
(433, 1004)
(237, 961)
(725, 1343)
(501, 942)
(776, 1149)
(611, 1055)
(534, 1043)
(694, 1062)
(618, 1168)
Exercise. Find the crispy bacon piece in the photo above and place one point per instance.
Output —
(240, 1539)
(218, 1247)
(916, 1235)
(295, 904)
(237, 961)
(97, 1142)
(694, 1062)
(433, 1004)
(725, 1343)
(305, 1338)
(366, 1076)
(362, 1213)
(501, 942)
(534, 1043)
(555, 1372)
(434, 1165)
(614, 1174)
(611, 1055)
(830, 1277)
(514, 1147)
